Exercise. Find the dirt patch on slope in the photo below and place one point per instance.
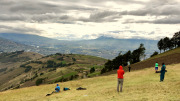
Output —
(169, 59)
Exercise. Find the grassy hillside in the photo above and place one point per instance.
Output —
(168, 57)
(170, 52)
(143, 87)
(18, 56)
(51, 69)
(10, 63)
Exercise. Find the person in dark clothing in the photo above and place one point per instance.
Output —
(129, 66)
(163, 70)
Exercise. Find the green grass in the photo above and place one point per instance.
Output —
(140, 85)
(94, 74)
(97, 66)
(66, 76)
(69, 74)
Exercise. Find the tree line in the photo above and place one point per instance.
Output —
(135, 56)
(122, 59)
(169, 43)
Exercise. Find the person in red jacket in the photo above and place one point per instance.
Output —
(120, 73)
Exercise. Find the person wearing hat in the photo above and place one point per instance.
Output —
(57, 88)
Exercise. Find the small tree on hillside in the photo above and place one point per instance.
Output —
(136, 54)
(108, 65)
(165, 43)
(160, 45)
(127, 57)
(176, 39)
(170, 44)
(155, 53)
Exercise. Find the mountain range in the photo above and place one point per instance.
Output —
(106, 47)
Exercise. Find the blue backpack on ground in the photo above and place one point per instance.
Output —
(65, 89)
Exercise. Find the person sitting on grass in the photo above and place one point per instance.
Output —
(57, 89)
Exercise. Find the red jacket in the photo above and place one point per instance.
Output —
(120, 72)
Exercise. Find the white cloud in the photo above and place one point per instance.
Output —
(86, 19)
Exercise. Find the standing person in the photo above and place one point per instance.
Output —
(163, 70)
(156, 67)
(120, 77)
(129, 66)
(57, 88)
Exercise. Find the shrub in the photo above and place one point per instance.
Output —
(155, 53)
(65, 79)
(51, 64)
(38, 62)
(35, 76)
(103, 70)
(41, 73)
(28, 68)
(61, 64)
(61, 59)
(72, 77)
(76, 76)
(92, 70)
(58, 54)
(74, 59)
(23, 65)
(39, 81)
(53, 69)
(18, 86)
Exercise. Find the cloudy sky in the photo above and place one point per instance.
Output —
(89, 19)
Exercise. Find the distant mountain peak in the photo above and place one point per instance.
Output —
(105, 37)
